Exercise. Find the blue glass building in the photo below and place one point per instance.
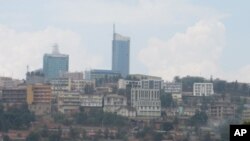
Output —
(54, 64)
(120, 54)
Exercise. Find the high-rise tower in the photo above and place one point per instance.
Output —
(55, 63)
(120, 53)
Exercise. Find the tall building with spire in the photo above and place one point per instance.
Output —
(54, 64)
(120, 53)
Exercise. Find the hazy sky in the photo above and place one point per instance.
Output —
(168, 37)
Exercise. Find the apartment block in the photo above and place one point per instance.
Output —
(151, 84)
(68, 84)
(91, 100)
(203, 89)
(146, 102)
(68, 102)
(39, 98)
(172, 87)
(14, 96)
(220, 110)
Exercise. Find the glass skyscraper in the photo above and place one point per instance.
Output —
(54, 64)
(120, 54)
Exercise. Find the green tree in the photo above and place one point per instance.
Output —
(188, 81)
(45, 131)
(167, 126)
(73, 133)
(219, 85)
(33, 136)
(6, 138)
(157, 136)
(16, 118)
(200, 118)
(55, 137)
(177, 79)
(166, 100)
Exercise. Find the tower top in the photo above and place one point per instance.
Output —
(55, 49)
(114, 28)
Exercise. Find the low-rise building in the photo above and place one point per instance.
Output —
(126, 111)
(151, 84)
(91, 100)
(82, 85)
(60, 84)
(177, 97)
(146, 102)
(34, 77)
(122, 83)
(113, 102)
(103, 90)
(143, 76)
(172, 87)
(68, 102)
(14, 96)
(246, 113)
(72, 75)
(220, 110)
(68, 84)
(102, 77)
(8, 82)
(203, 89)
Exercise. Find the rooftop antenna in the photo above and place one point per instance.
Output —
(55, 49)
(114, 31)
(27, 68)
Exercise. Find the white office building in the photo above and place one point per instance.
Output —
(203, 89)
(146, 102)
(172, 87)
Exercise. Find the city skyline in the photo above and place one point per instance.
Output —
(168, 38)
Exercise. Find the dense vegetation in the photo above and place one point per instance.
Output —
(92, 117)
(220, 86)
(15, 118)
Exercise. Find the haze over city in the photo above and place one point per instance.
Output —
(167, 38)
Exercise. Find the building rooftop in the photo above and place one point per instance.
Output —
(103, 71)
(120, 37)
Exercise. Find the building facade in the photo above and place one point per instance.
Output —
(34, 77)
(8, 82)
(54, 64)
(14, 96)
(39, 98)
(172, 87)
(113, 102)
(146, 102)
(68, 84)
(246, 113)
(143, 76)
(68, 102)
(151, 84)
(126, 111)
(101, 74)
(220, 110)
(120, 54)
(203, 89)
(122, 83)
(91, 100)
(60, 84)
(72, 75)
